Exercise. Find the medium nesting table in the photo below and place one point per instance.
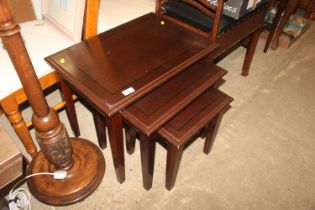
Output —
(113, 69)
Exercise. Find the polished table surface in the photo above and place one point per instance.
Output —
(135, 57)
(140, 54)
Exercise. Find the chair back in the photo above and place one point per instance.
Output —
(195, 11)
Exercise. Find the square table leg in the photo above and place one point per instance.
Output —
(66, 94)
(100, 124)
(115, 134)
(147, 145)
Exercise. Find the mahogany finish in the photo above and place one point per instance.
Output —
(153, 110)
(67, 95)
(202, 113)
(100, 124)
(58, 151)
(141, 54)
(206, 110)
(248, 26)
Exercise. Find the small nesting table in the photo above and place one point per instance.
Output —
(113, 69)
(180, 96)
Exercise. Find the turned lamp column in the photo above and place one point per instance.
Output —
(83, 161)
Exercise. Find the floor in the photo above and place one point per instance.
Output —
(263, 157)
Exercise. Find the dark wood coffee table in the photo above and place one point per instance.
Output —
(114, 69)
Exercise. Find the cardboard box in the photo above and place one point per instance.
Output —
(238, 8)
(294, 29)
(22, 10)
(10, 160)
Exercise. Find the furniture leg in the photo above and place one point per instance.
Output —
(292, 5)
(67, 93)
(174, 156)
(203, 132)
(114, 126)
(310, 13)
(11, 109)
(280, 9)
(130, 136)
(147, 148)
(100, 125)
(211, 132)
(250, 52)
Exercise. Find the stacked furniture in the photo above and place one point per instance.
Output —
(163, 89)
(114, 69)
(118, 67)
(185, 106)
(176, 112)
(171, 76)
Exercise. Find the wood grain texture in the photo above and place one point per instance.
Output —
(187, 123)
(203, 112)
(105, 65)
(156, 108)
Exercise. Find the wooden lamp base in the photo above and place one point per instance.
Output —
(82, 178)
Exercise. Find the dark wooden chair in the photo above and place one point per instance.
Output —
(208, 20)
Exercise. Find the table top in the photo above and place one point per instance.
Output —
(115, 68)
(153, 110)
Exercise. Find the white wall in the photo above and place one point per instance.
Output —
(37, 5)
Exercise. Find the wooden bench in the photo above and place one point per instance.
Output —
(151, 112)
(206, 19)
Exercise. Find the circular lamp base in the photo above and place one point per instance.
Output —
(82, 178)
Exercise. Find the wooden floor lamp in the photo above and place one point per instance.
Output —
(83, 161)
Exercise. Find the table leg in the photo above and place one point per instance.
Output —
(280, 9)
(310, 12)
(250, 51)
(292, 4)
(100, 127)
(130, 136)
(147, 149)
(67, 93)
(174, 156)
(211, 132)
(115, 134)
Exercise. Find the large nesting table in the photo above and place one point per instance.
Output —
(113, 69)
